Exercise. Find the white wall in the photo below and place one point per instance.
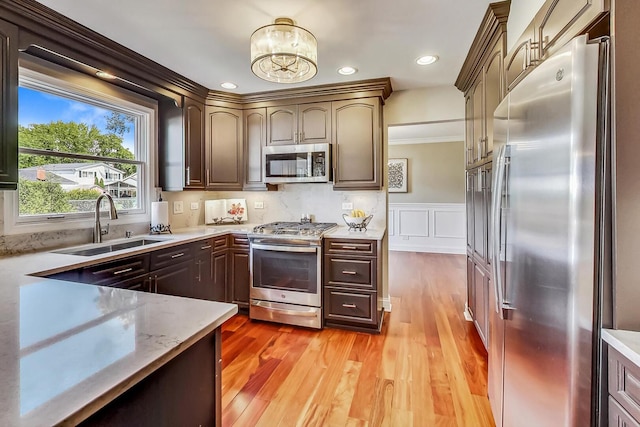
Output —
(521, 14)
(424, 105)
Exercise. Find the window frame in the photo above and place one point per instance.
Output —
(50, 78)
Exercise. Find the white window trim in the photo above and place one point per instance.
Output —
(83, 88)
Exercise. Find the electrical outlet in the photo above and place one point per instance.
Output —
(178, 207)
(258, 205)
(195, 206)
(347, 206)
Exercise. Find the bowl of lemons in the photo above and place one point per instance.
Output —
(357, 219)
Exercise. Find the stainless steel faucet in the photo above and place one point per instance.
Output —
(98, 231)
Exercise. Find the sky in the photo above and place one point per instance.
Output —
(39, 107)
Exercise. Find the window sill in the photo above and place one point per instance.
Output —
(71, 224)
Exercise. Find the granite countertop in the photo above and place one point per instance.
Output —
(67, 349)
(626, 342)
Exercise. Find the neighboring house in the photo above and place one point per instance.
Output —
(73, 176)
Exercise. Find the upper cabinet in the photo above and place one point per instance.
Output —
(299, 124)
(224, 149)
(557, 22)
(482, 81)
(8, 106)
(357, 136)
(194, 145)
(255, 137)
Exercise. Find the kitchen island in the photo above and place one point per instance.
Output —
(70, 351)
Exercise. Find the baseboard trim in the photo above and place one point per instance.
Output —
(386, 304)
(436, 250)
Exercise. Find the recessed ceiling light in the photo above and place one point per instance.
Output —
(229, 85)
(426, 60)
(347, 71)
(105, 75)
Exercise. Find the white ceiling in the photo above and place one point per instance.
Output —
(208, 40)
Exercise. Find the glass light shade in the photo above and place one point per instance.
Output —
(284, 53)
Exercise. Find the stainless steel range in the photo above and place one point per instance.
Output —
(286, 272)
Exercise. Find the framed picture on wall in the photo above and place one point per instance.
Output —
(397, 175)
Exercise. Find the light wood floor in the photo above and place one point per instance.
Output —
(427, 368)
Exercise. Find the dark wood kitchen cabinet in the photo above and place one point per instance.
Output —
(171, 271)
(239, 279)
(219, 268)
(114, 272)
(255, 138)
(357, 136)
(352, 284)
(8, 106)
(203, 270)
(299, 124)
(194, 144)
(224, 149)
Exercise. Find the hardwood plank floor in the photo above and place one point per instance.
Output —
(427, 368)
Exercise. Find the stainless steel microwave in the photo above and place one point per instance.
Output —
(296, 163)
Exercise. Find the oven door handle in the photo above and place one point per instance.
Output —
(306, 313)
(284, 248)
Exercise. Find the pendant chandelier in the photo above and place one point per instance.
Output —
(284, 53)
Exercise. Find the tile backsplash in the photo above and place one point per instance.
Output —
(289, 203)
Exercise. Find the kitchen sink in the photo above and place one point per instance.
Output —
(104, 248)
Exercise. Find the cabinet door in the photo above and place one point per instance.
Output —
(140, 283)
(468, 137)
(563, 20)
(240, 280)
(194, 144)
(358, 145)
(225, 149)
(314, 123)
(479, 216)
(203, 276)
(282, 125)
(493, 92)
(8, 106)
(219, 263)
(477, 94)
(471, 289)
(174, 280)
(255, 137)
(470, 211)
(520, 60)
(481, 319)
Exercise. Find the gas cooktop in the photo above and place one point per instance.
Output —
(294, 228)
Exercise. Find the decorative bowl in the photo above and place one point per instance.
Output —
(357, 222)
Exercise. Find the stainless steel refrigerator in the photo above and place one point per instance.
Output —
(549, 190)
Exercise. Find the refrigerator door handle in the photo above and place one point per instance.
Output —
(496, 216)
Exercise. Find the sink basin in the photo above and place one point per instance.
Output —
(104, 248)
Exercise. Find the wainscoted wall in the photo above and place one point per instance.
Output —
(427, 227)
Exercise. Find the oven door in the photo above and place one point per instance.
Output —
(286, 274)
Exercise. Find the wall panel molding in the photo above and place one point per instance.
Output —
(427, 227)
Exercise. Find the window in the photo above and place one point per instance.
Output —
(77, 138)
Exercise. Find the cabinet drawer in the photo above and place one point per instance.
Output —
(219, 243)
(361, 247)
(239, 241)
(116, 271)
(342, 305)
(203, 246)
(358, 273)
(619, 417)
(169, 256)
(140, 283)
(624, 382)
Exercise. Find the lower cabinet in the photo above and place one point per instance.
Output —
(239, 278)
(478, 286)
(215, 269)
(351, 285)
(624, 390)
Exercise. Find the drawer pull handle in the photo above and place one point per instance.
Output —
(205, 247)
(353, 273)
(177, 255)
(353, 248)
(126, 270)
(349, 305)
